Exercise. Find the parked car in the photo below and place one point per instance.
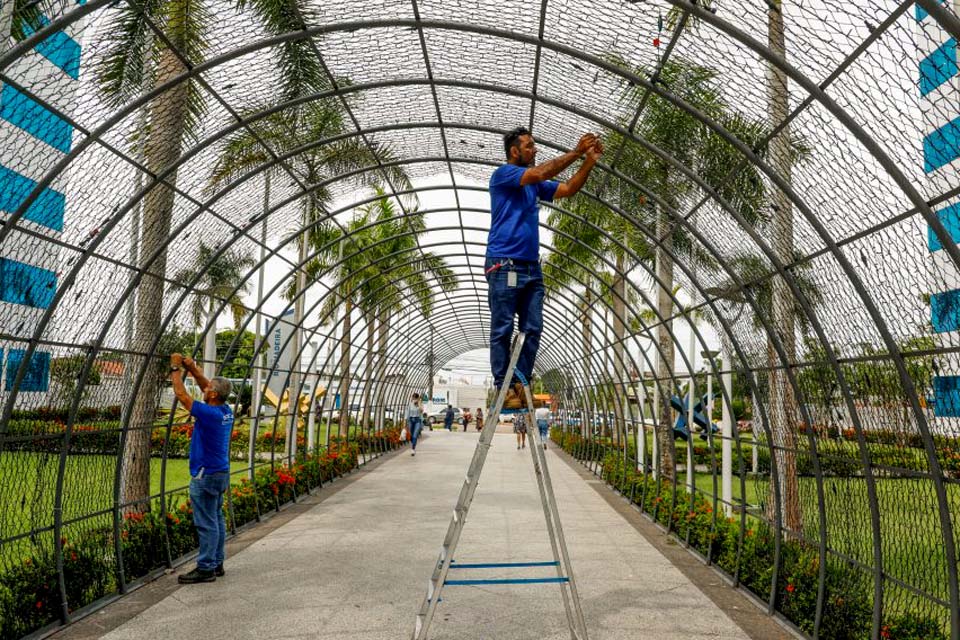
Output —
(437, 417)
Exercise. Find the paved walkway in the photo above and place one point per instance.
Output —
(356, 564)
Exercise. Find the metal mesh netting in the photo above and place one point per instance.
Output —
(294, 193)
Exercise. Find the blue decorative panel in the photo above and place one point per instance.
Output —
(26, 284)
(37, 377)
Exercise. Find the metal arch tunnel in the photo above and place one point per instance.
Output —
(34, 329)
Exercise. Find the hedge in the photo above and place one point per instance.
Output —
(848, 596)
(29, 591)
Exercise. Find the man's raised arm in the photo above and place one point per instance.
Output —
(176, 379)
(552, 168)
(190, 365)
(574, 184)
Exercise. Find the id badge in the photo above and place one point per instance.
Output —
(511, 279)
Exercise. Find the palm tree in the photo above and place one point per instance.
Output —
(216, 281)
(133, 62)
(292, 129)
(783, 404)
(393, 239)
(709, 157)
(377, 238)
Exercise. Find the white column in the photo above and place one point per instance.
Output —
(691, 402)
(654, 410)
(210, 343)
(726, 456)
(642, 401)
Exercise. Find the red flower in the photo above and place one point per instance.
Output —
(39, 605)
(790, 588)
(885, 632)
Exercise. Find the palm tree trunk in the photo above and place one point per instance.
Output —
(297, 346)
(162, 149)
(586, 336)
(664, 265)
(371, 319)
(619, 362)
(783, 404)
(345, 368)
(378, 401)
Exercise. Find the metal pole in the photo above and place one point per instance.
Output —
(258, 321)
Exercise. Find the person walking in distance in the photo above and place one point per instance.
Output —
(209, 464)
(479, 415)
(414, 421)
(542, 416)
(448, 418)
(512, 267)
(520, 428)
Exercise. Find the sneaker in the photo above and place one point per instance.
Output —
(544, 446)
(413, 453)
(219, 572)
(197, 575)
(518, 447)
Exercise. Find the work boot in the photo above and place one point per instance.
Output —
(197, 575)
(514, 399)
(219, 572)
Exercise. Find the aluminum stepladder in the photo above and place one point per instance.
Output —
(561, 559)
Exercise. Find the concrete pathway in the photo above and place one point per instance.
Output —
(356, 565)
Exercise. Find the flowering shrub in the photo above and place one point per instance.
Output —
(30, 592)
(848, 594)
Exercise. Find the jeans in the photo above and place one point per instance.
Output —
(544, 426)
(206, 497)
(414, 426)
(526, 302)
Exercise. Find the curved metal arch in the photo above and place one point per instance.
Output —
(683, 169)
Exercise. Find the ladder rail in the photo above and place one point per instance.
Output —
(564, 579)
(551, 506)
(563, 568)
(432, 598)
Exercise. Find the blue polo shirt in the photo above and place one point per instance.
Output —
(515, 214)
(210, 443)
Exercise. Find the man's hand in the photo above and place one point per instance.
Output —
(587, 142)
(595, 152)
(189, 363)
(176, 360)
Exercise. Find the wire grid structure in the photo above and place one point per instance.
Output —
(786, 177)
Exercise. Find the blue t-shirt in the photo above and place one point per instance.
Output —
(210, 443)
(515, 216)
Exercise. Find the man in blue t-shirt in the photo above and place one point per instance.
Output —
(209, 464)
(514, 278)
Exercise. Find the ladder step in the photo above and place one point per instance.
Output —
(460, 583)
(497, 565)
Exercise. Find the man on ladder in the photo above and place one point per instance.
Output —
(512, 268)
(516, 287)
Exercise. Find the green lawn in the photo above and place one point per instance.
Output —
(87, 489)
(911, 542)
